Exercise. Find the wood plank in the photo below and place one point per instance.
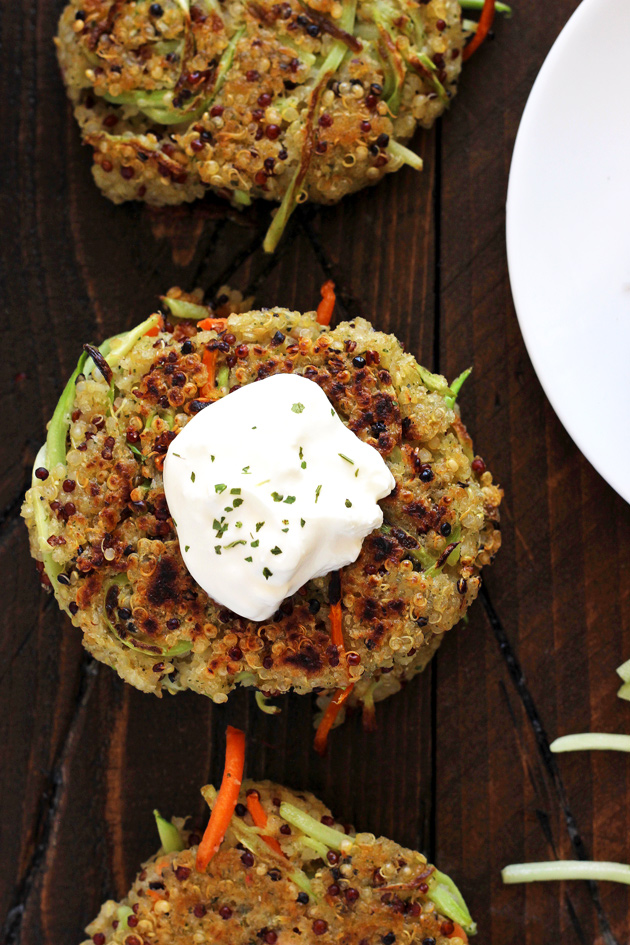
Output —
(556, 589)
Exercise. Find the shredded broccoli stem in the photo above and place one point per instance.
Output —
(330, 65)
(170, 837)
(182, 309)
(405, 155)
(129, 339)
(223, 376)
(624, 671)
(122, 914)
(245, 679)
(320, 848)
(251, 838)
(261, 702)
(434, 382)
(42, 527)
(157, 106)
(242, 197)
(456, 386)
(448, 900)
(478, 5)
(392, 63)
(591, 741)
(60, 423)
(311, 827)
(567, 869)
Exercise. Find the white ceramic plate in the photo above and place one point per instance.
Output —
(568, 233)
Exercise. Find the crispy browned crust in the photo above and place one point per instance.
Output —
(251, 129)
(375, 892)
(115, 521)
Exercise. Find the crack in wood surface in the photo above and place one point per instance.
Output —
(44, 820)
(549, 762)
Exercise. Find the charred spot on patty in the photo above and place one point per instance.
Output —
(163, 584)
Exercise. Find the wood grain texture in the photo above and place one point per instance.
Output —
(460, 764)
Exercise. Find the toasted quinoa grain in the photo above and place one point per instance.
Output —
(111, 549)
(232, 97)
(372, 890)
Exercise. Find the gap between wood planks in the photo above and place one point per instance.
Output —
(549, 762)
(44, 821)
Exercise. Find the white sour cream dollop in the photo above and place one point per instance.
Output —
(269, 489)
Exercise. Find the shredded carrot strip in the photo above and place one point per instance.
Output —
(485, 23)
(335, 626)
(331, 713)
(155, 331)
(210, 362)
(458, 932)
(327, 304)
(226, 798)
(259, 817)
(212, 324)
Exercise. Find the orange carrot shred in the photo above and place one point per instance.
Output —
(155, 331)
(327, 304)
(485, 23)
(227, 798)
(331, 713)
(336, 625)
(212, 324)
(259, 817)
(210, 363)
(458, 932)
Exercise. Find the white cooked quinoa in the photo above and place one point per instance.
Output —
(251, 99)
(371, 891)
(102, 534)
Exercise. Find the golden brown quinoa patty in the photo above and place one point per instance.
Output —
(101, 530)
(255, 98)
(374, 892)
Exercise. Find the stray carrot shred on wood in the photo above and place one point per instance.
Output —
(331, 713)
(212, 324)
(227, 798)
(485, 23)
(259, 816)
(327, 304)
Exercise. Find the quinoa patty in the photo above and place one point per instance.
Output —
(294, 101)
(103, 537)
(370, 891)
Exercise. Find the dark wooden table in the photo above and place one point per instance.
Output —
(460, 764)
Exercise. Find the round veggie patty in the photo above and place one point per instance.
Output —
(299, 879)
(103, 537)
(287, 101)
